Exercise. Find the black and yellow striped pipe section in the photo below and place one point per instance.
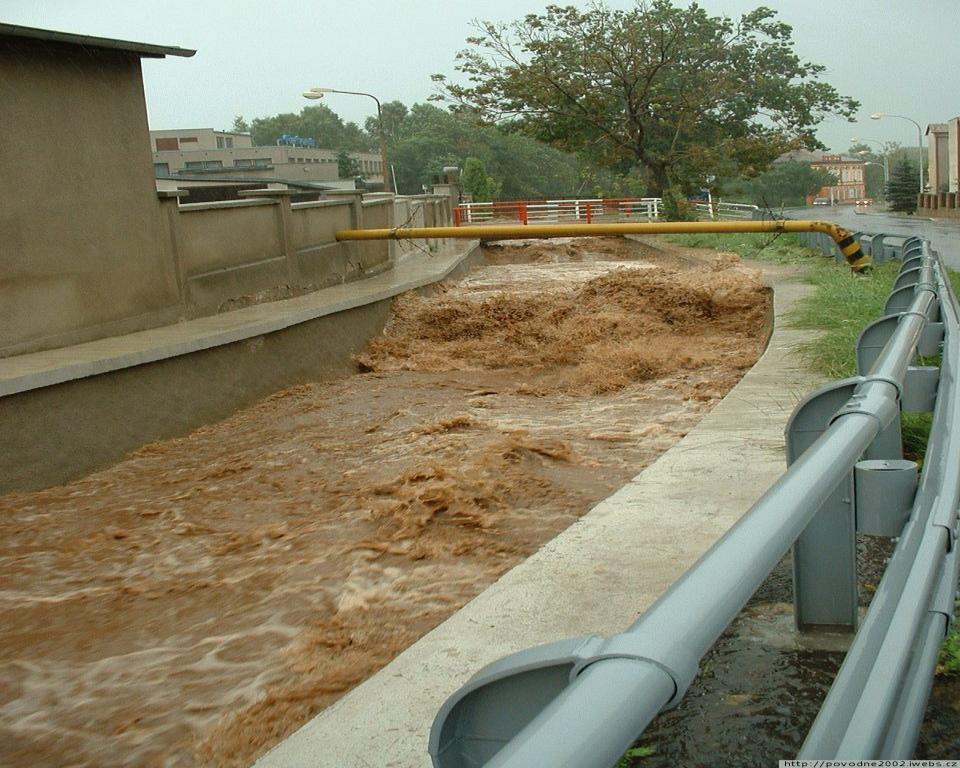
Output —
(847, 244)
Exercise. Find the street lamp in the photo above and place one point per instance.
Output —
(886, 181)
(883, 156)
(878, 115)
(317, 93)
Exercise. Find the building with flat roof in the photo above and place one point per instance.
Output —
(943, 153)
(225, 154)
(83, 240)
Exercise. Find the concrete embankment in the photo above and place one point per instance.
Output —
(69, 411)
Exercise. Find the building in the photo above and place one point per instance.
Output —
(225, 154)
(849, 172)
(943, 153)
(83, 239)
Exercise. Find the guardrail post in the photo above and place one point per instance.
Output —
(920, 388)
(825, 554)
(884, 495)
(522, 211)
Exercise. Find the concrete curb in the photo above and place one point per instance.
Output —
(596, 577)
(22, 373)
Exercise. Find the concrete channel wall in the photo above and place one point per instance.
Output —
(180, 260)
(268, 299)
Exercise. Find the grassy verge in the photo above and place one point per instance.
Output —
(840, 307)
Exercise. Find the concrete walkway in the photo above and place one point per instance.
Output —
(596, 577)
(42, 369)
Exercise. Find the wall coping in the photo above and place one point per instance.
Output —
(253, 193)
(220, 204)
(321, 204)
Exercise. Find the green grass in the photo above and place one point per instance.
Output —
(949, 661)
(840, 307)
(635, 753)
(773, 248)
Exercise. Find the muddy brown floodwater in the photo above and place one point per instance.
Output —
(201, 599)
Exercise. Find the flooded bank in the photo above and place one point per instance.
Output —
(203, 598)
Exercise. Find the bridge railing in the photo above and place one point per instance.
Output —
(582, 702)
(722, 210)
(585, 210)
(588, 211)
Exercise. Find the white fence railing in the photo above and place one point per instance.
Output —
(586, 210)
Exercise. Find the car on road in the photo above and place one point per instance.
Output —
(821, 201)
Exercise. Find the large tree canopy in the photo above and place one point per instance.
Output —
(315, 122)
(683, 95)
(784, 184)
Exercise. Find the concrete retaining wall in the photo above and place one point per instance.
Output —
(54, 434)
(198, 259)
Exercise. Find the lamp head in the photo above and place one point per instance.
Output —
(876, 115)
(312, 95)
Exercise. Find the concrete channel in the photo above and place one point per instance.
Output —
(628, 549)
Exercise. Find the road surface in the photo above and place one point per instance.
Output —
(943, 234)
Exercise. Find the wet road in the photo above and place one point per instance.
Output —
(944, 235)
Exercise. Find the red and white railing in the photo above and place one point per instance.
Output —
(558, 211)
(587, 211)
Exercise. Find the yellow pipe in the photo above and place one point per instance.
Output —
(849, 247)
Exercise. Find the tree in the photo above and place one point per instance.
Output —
(477, 183)
(679, 93)
(785, 184)
(874, 179)
(317, 122)
(240, 125)
(347, 167)
(903, 187)
(393, 114)
(431, 138)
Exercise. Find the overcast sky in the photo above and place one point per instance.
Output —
(254, 58)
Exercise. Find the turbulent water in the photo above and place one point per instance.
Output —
(204, 597)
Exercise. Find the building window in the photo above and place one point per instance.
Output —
(164, 145)
(219, 142)
(188, 139)
(243, 163)
(262, 162)
(161, 169)
(204, 165)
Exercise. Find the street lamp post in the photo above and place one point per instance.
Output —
(883, 155)
(878, 115)
(317, 93)
(886, 181)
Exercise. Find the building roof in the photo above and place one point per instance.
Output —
(144, 50)
(938, 128)
(808, 156)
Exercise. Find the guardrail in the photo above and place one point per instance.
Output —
(587, 211)
(580, 703)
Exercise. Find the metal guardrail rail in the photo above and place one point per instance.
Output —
(580, 703)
